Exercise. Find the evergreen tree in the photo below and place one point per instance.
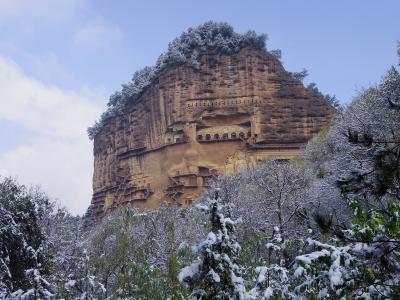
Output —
(215, 274)
(363, 261)
(22, 263)
(83, 284)
(273, 279)
(370, 141)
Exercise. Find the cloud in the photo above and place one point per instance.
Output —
(49, 69)
(21, 19)
(96, 34)
(44, 109)
(62, 168)
(28, 11)
(57, 154)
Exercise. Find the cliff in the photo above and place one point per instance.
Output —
(191, 125)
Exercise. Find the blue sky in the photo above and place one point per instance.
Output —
(59, 61)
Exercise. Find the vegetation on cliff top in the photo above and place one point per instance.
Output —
(185, 49)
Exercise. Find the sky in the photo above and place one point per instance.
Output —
(61, 59)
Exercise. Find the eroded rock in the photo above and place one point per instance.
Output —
(191, 125)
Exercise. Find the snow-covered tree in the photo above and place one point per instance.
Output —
(138, 253)
(22, 263)
(66, 243)
(82, 283)
(363, 264)
(362, 261)
(215, 273)
(40, 288)
(273, 277)
(273, 194)
(367, 142)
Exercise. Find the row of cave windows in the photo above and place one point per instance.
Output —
(225, 136)
(211, 103)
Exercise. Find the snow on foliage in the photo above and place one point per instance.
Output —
(367, 138)
(362, 261)
(82, 284)
(185, 49)
(215, 273)
(22, 244)
(357, 266)
(273, 279)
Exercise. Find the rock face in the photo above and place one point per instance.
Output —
(191, 125)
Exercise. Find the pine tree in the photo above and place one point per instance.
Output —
(40, 287)
(215, 274)
(21, 241)
(82, 284)
(273, 279)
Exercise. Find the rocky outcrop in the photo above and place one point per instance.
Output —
(191, 125)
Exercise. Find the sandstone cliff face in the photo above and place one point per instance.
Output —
(190, 125)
